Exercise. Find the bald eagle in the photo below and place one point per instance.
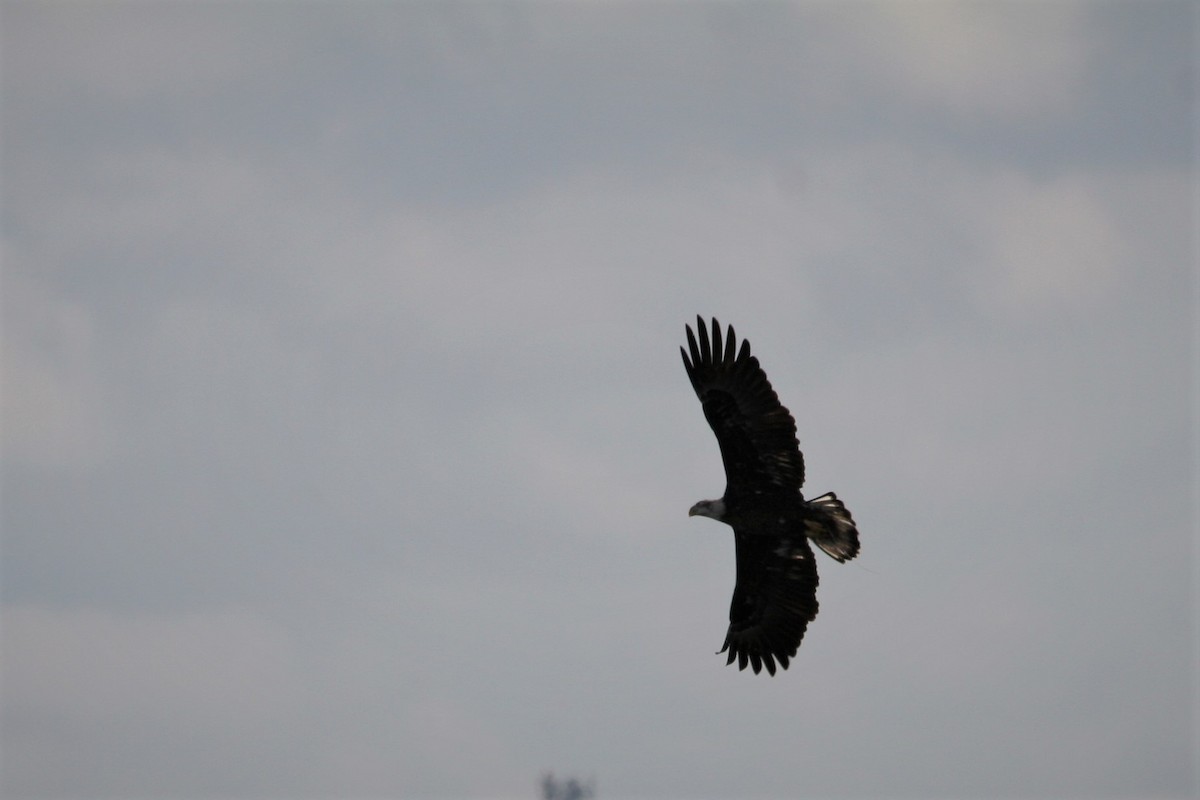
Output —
(775, 594)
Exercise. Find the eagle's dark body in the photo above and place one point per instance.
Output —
(775, 596)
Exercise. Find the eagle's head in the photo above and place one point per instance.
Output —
(708, 508)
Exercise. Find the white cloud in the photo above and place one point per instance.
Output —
(1055, 246)
(53, 408)
(203, 669)
(1002, 60)
(343, 487)
(130, 51)
(141, 680)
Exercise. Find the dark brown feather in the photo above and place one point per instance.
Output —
(774, 599)
(775, 595)
(756, 434)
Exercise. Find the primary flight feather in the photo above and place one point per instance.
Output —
(775, 594)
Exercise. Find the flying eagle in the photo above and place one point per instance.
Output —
(775, 596)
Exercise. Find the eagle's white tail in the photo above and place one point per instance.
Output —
(831, 527)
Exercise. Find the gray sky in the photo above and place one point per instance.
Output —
(347, 451)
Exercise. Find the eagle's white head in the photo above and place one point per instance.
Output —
(708, 508)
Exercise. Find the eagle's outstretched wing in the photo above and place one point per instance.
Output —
(774, 599)
(756, 433)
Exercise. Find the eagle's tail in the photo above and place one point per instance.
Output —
(831, 527)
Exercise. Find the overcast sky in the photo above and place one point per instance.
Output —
(347, 450)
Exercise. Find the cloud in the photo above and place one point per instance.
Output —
(106, 52)
(155, 668)
(83, 688)
(347, 448)
(992, 59)
(1056, 246)
(49, 376)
